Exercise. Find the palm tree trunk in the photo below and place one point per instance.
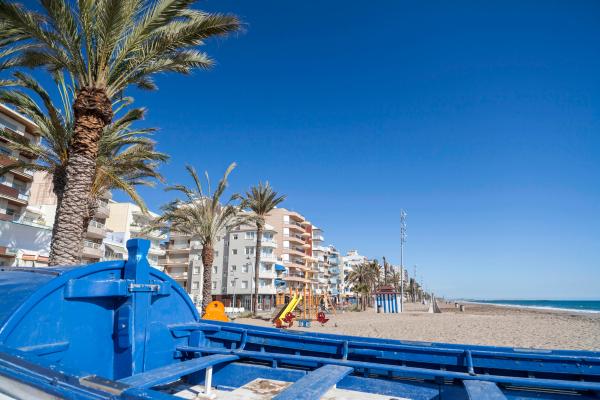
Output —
(207, 262)
(93, 111)
(259, 232)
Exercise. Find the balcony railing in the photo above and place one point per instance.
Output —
(92, 245)
(97, 224)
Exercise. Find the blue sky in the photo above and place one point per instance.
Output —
(481, 119)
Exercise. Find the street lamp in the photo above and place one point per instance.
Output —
(234, 286)
(248, 263)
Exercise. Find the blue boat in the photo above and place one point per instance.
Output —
(124, 330)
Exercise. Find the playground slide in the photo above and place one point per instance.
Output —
(288, 308)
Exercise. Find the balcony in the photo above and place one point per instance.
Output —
(294, 252)
(96, 230)
(268, 258)
(174, 261)
(91, 249)
(294, 239)
(23, 173)
(102, 211)
(178, 250)
(178, 276)
(269, 243)
(13, 195)
(295, 278)
(318, 238)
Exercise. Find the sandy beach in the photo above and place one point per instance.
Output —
(478, 324)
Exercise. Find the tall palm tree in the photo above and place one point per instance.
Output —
(261, 200)
(107, 46)
(202, 216)
(126, 156)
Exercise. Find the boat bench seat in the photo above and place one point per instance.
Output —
(315, 384)
(483, 390)
(169, 373)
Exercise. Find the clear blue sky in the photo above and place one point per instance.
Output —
(481, 119)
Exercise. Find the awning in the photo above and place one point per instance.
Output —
(279, 267)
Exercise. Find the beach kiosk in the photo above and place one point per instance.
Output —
(388, 300)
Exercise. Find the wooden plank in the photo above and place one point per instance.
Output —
(172, 372)
(315, 384)
(483, 390)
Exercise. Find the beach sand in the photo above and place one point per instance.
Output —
(479, 324)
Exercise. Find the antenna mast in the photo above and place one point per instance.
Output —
(402, 241)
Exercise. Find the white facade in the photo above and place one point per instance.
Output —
(25, 245)
(127, 221)
(351, 259)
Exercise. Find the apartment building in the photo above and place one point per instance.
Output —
(234, 268)
(319, 261)
(336, 275)
(127, 221)
(351, 259)
(180, 263)
(15, 189)
(294, 248)
(43, 201)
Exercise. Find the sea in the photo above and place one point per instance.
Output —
(592, 306)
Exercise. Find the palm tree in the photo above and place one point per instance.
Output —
(395, 279)
(261, 200)
(126, 156)
(362, 278)
(107, 46)
(202, 216)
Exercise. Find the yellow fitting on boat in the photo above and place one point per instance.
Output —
(215, 311)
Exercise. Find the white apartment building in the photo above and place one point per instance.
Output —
(127, 221)
(336, 272)
(351, 259)
(320, 261)
(234, 268)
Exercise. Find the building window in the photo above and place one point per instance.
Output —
(249, 250)
(250, 235)
(233, 267)
(214, 285)
(216, 253)
(267, 267)
(215, 269)
(245, 268)
(244, 284)
(235, 236)
(234, 251)
(196, 270)
(196, 285)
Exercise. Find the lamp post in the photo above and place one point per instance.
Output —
(250, 263)
(234, 286)
(402, 241)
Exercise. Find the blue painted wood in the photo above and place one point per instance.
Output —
(175, 371)
(315, 384)
(421, 354)
(408, 372)
(482, 390)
